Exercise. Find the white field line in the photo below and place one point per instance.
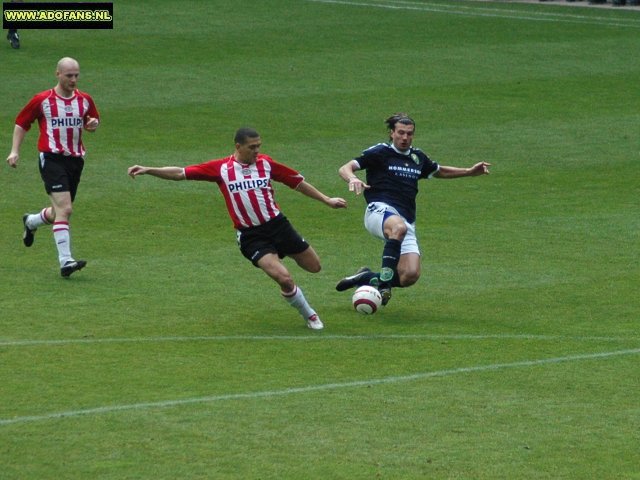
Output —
(315, 388)
(307, 338)
(485, 11)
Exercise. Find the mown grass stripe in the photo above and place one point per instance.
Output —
(315, 388)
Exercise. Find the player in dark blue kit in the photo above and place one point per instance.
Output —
(392, 173)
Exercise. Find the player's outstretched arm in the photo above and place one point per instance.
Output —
(166, 173)
(480, 168)
(310, 191)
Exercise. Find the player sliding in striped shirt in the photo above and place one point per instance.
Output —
(264, 234)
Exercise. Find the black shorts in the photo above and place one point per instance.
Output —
(275, 236)
(60, 173)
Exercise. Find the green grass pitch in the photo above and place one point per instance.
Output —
(514, 357)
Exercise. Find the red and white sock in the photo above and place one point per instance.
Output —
(296, 299)
(39, 219)
(62, 238)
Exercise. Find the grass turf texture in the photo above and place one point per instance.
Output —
(169, 356)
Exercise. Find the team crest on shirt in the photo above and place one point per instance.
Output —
(68, 108)
(246, 171)
(415, 158)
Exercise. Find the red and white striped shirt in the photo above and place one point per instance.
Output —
(247, 189)
(60, 121)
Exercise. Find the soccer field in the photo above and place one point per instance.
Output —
(169, 356)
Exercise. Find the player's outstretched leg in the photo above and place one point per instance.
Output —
(361, 277)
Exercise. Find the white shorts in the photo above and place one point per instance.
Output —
(374, 217)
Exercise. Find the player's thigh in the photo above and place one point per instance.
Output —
(307, 260)
(374, 217)
(381, 219)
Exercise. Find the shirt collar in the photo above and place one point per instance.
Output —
(401, 152)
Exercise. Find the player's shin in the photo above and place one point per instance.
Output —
(390, 259)
(296, 299)
(62, 238)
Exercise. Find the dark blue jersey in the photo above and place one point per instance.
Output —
(393, 176)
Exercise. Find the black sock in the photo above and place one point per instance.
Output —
(390, 259)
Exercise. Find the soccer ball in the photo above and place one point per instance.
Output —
(366, 300)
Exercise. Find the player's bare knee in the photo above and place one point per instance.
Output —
(397, 231)
(409, 278)
(63, 213)
(315, 267)
(400, 230)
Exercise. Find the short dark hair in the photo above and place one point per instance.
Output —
(245, 133)
(401, 118)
